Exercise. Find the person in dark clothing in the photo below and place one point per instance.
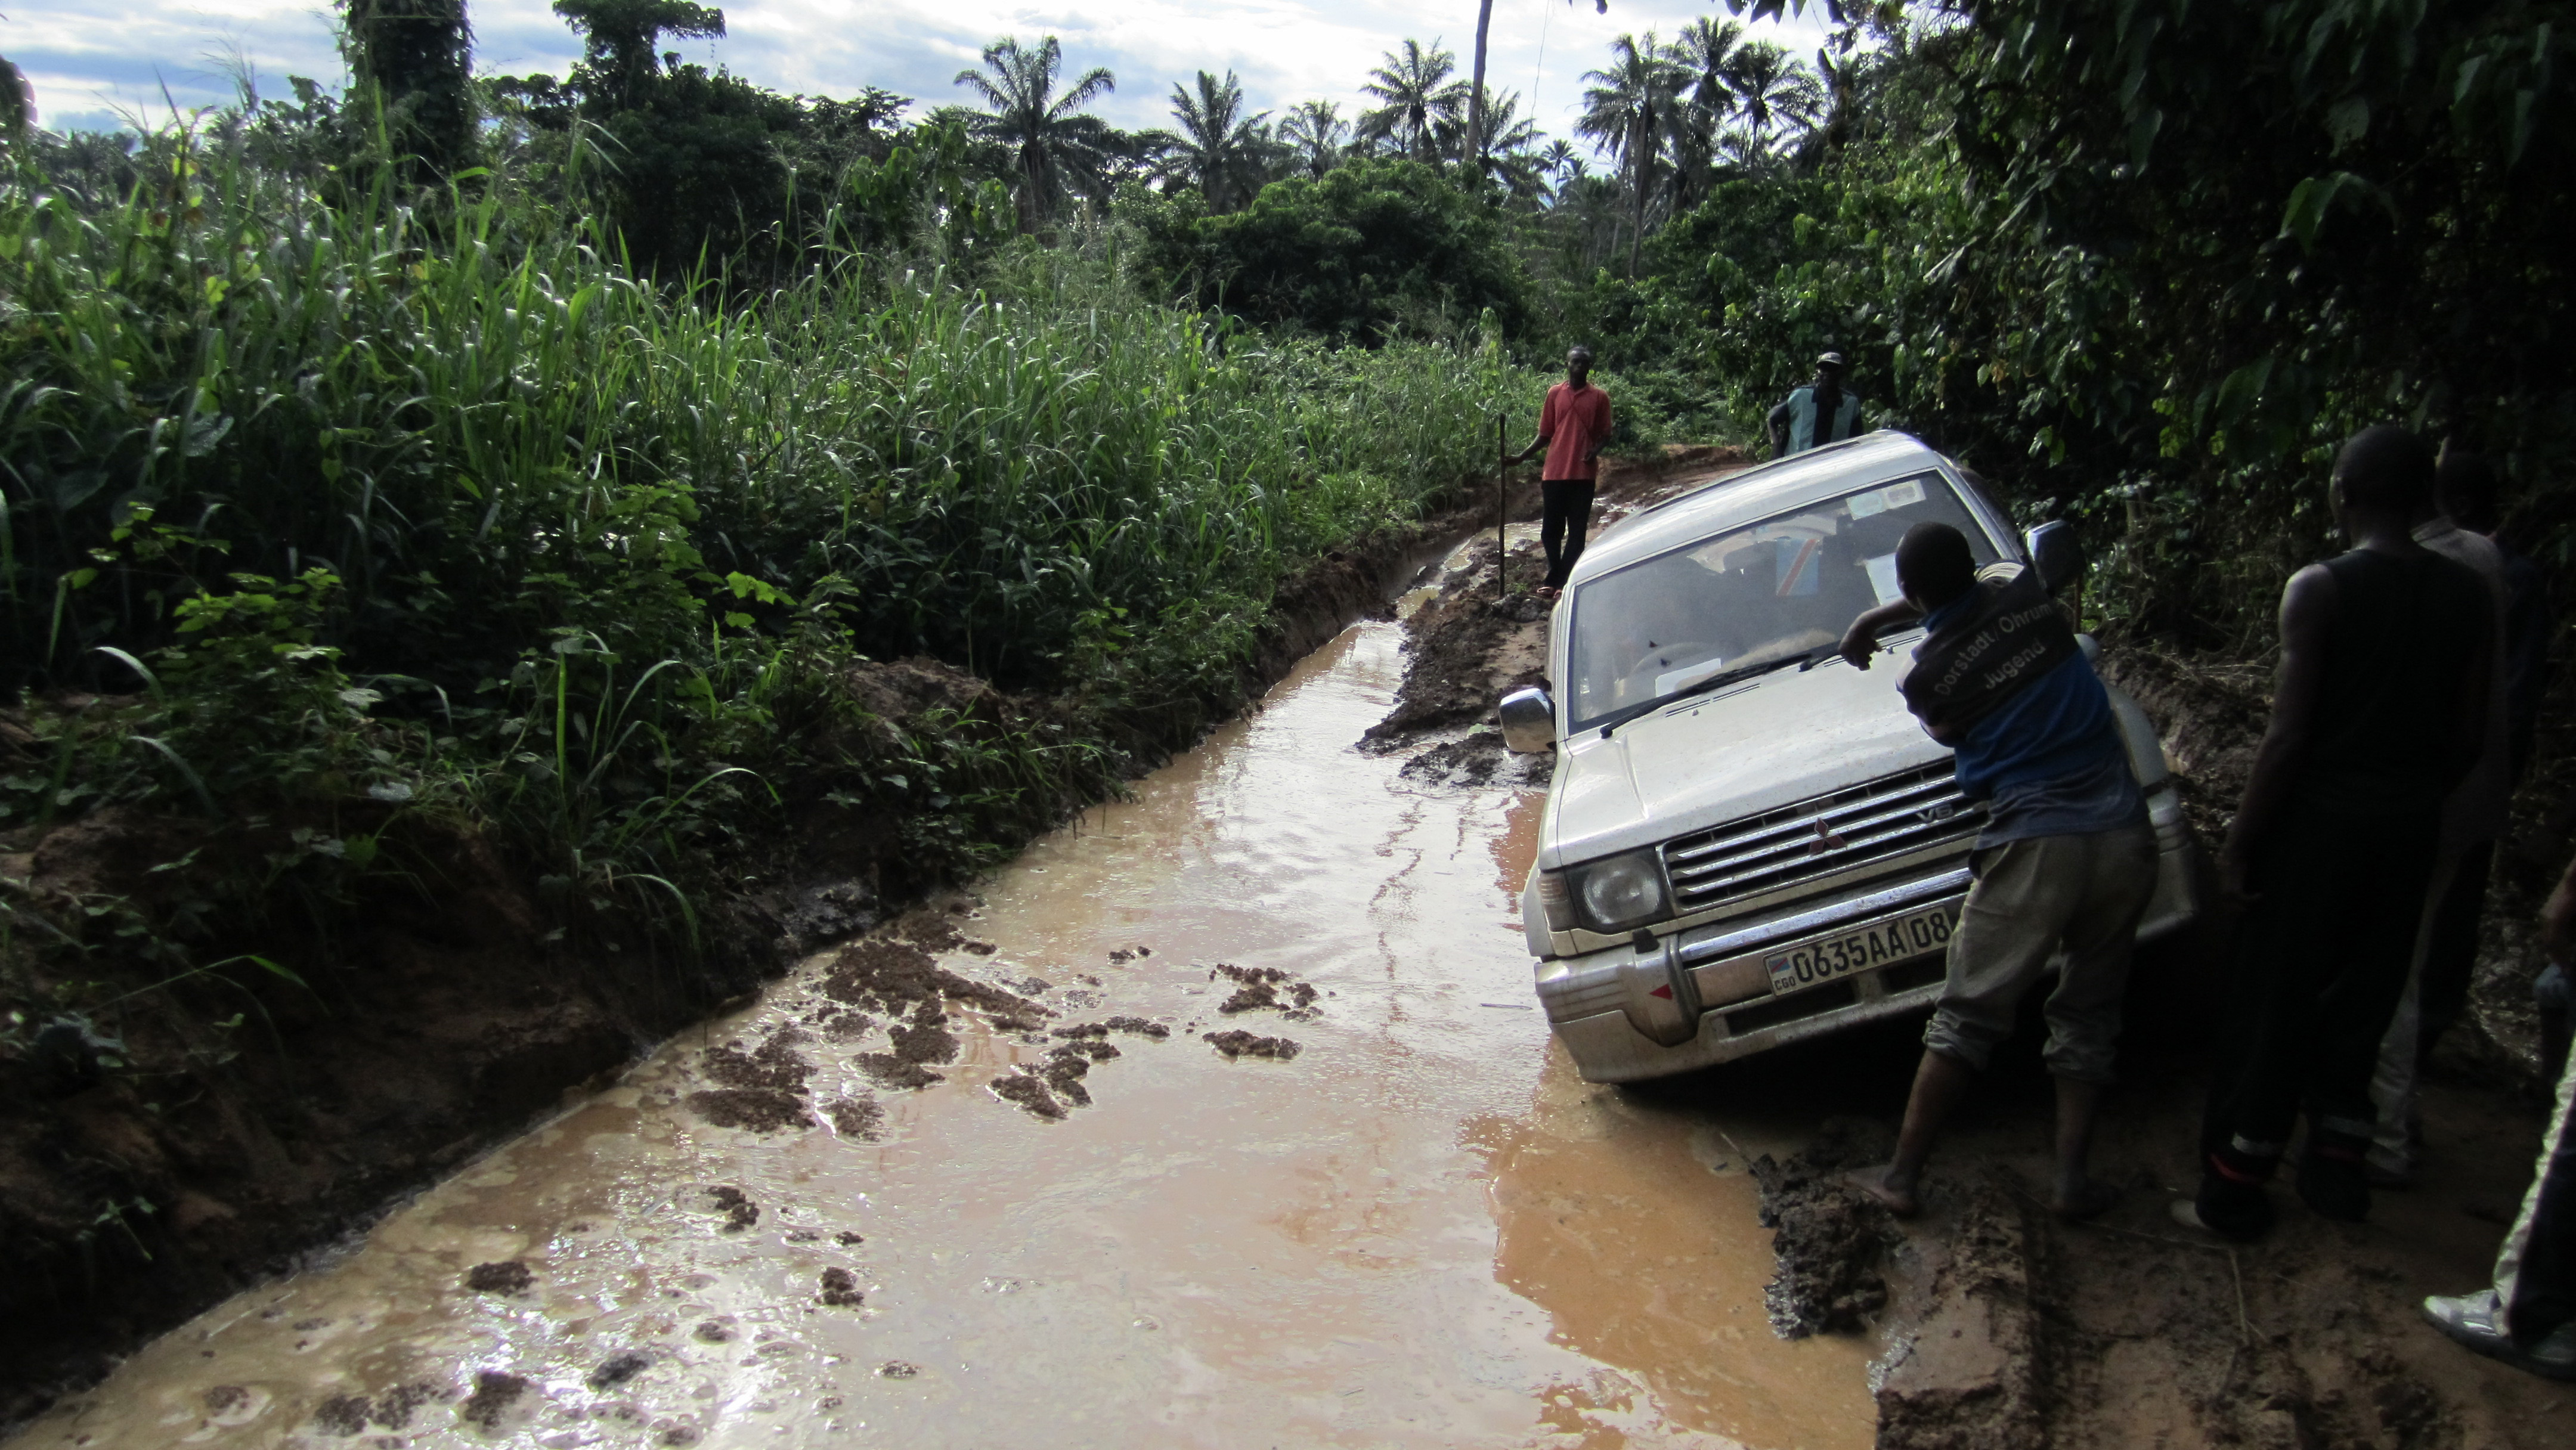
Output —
(2473, 817)
(2066, 859)
(1573, 427)
(2528, 1319)
(1822, 412)
(2470, 496)
(2378, 712)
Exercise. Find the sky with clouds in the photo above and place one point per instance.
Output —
(95, 62)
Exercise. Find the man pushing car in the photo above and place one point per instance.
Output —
(2066, 856)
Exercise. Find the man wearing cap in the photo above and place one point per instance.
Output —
(1821, 412)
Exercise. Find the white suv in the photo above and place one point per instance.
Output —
(1748, 842)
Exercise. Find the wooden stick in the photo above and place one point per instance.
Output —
(1502, 504)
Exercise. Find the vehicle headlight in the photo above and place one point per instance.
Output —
(1619, 892)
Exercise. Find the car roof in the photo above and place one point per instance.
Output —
(1757, 493)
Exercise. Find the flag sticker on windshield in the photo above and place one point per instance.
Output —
(1796, 561)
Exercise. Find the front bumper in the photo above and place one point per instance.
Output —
(1663, 1005)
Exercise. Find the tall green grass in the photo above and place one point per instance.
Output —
(586, 560)
(493, 434)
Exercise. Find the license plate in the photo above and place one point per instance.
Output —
(1878, 944)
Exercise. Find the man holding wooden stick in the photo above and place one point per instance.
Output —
(1573, 427)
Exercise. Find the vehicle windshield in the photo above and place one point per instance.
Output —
(1768, 592)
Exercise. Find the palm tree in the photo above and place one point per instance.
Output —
(1843, 83)
(1559, 160)
(1773, 89)
(1624, 110)
(1219, 149)
(1043, 127)
(1510, 140)
(1705, 54)
(1314, 130)
(1419, 94)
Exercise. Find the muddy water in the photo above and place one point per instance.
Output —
(1422, 1230)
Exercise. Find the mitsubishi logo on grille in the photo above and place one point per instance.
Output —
(1935, 815)
(1825, 840)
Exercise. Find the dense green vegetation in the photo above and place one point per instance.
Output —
(551, 476)
(341, 525)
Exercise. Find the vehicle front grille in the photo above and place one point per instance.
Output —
(1886, 818)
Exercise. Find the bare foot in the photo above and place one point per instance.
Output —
(2091, 1201)
(1873, 1181)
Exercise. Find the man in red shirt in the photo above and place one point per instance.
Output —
(1573, 427)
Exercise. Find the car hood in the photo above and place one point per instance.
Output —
(1746, 748)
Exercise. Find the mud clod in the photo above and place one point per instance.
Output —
(896, 1369)
(506, 1277)
(494, 1393)
(856, 1118)
(1095, 1032)
(925, 1038)
(714, 1331)
(1830, 1239)
(760, 1110)
(848, 1239)
(620, 1367)
(900, 979)
(1239, 1043)
(1028, 1092)
(739, 1211)
(393, 1409)
(1258, 987)
(841, 1289)
(1066, 1067)
(894, 1073)
(342, 1415)
(775, 1067)
(1479, 759)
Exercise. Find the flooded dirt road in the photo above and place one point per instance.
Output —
(1421, 1229)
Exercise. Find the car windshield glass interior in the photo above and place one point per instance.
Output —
(1751, 596)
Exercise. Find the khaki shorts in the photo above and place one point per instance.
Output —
(2085, 893)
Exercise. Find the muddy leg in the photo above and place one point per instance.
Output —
(1939, 1085)
(2077, 1196)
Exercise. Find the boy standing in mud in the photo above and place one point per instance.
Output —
(2066, 857)
(1573, 426)
(2378, 713)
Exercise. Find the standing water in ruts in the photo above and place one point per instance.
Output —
(1420, 1228)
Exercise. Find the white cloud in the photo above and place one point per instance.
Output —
(86, 56)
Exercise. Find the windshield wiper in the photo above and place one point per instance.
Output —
(1804, 661)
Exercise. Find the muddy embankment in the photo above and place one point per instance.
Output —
(140, 1187)
(1999, 1326)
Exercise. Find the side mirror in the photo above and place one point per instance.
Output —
(1529, 721)
(2055, 553)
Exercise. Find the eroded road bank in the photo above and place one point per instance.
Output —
(1420, 1229)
